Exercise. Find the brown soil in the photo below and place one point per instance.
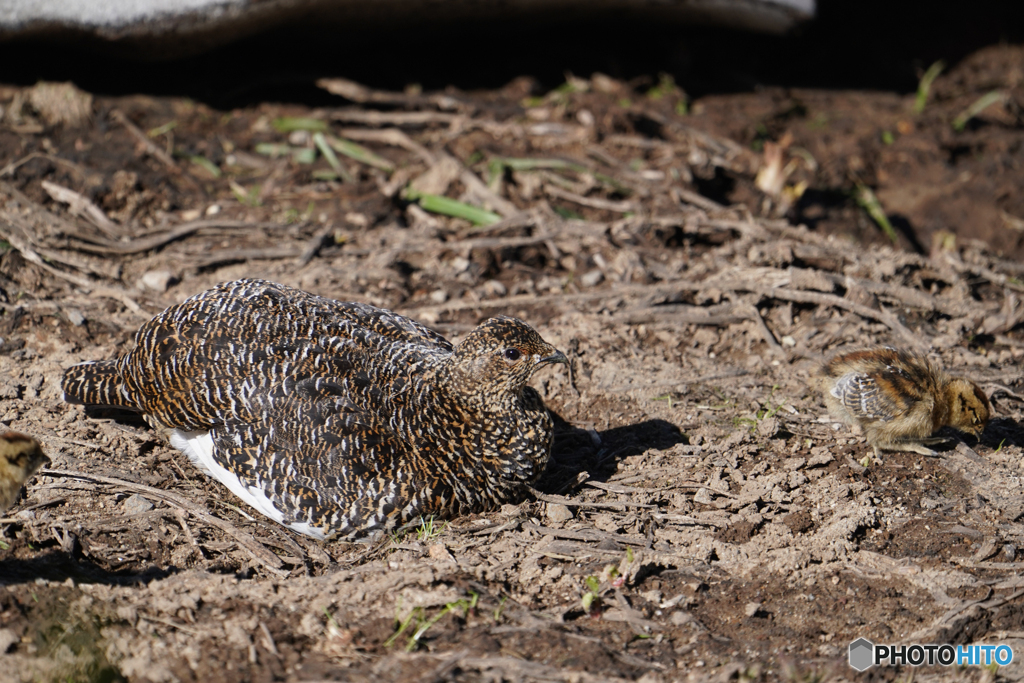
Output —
(702, 517)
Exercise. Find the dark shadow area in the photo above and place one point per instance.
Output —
(717, 188)
(905, 228)
(816, 204)
(1002, 431)
(871, 44)
(58, 565)
(129, 418)
(577, 450)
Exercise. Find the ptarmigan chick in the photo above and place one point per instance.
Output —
(335, 419)
(20, 457)
(899, 399)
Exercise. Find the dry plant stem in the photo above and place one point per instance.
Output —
(413, 119)
(570, 502)
(88, 286)
(676, 314)
(153, 149)
(246, 541)
(230, 255)
(81, 206)
(393, 137)
(14, 165)
(521, 299)
(357, 92)
(155, 241)
(518, 221)
(315, 244)
(168, 622)
(766, 333)
(184, 526)
(510, 668)
(688, 197)
(592, 202)
(22, 231)
(592, 535)
(477, 187)
(882, 316)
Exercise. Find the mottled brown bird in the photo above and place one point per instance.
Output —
(899, 399)
(334, 419)
(20, 457)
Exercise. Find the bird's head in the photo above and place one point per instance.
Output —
(969, 407)
(495, 360)
(21, 454)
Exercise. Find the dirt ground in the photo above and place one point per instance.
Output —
(702, 518)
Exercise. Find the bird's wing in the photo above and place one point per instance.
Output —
(862, 394)
(279, 311)
(316, 462)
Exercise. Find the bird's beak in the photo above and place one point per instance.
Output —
(556, 357)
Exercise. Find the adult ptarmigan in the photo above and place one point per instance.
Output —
(335, 419)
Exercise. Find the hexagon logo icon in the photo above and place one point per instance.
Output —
(862, 652)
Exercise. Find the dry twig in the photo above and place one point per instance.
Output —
(246, 541)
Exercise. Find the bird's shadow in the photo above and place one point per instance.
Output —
(1002, 431)
(598, 452)
(57, 565)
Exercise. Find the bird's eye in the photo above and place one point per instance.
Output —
(512, 354)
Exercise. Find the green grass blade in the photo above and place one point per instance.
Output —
(495, 171)
(452, 207)
(287, 124)
(160, 130)
(304, 155)
(359, 153)
(274, 149)
(321, 144)
(525, 164)
(869, 202)
(979, 105)
(206, 165)
(925, 85)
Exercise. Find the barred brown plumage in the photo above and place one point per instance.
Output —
(335, 419)
(20, 457)
(899, 399)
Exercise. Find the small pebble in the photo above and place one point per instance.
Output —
(493, 288)
(591, 278)
(136, 504)
(75, 317)
(703, 496)
(439, 552)
(556, 512)
(7, 639)
(158, 280)
(680, 617)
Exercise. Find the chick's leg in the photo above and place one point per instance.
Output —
(916, 446)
